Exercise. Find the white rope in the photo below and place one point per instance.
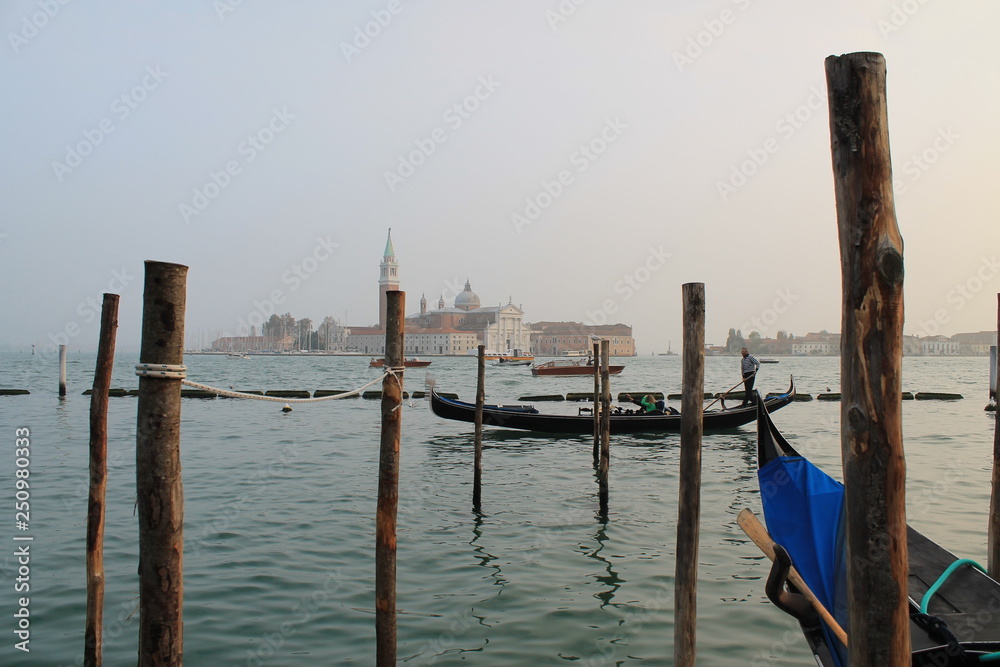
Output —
(168, 372)
(165, 371)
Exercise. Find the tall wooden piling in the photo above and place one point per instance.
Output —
(477, 481)
(604, 467)
(62, 370)
(160, 494)
(689, 502)
(597, 404)
(993, 533)
(92, 648)
(388, 484)
(871, 252)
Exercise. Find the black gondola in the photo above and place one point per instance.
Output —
(509, 417)
(967, 600)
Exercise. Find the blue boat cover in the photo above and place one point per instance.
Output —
(804, 512)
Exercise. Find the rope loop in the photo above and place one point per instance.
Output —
(162, 371)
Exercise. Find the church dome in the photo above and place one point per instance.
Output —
(468, 299)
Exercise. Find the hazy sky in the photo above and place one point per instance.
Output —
(584, 158)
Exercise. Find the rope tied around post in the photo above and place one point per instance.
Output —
(179, 372)
(163, 371)
(391, 372)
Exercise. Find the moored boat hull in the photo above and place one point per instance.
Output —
(583, 424)
(967, 602)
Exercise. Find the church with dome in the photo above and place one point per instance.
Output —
(456, 330)
(460, 328)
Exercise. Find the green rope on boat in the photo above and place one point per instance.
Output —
(944, 577)
(925, 602)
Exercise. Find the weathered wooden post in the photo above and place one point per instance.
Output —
(62, 370)
(605, 463)
(871, 255)
(92, 648)
(597, 404)
(993, 533)
(689, 501)
(477, 482)
(388, 484)
(160, 493)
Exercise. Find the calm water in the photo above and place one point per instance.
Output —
(279, 513)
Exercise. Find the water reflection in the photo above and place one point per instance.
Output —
(486, 559)
(609, 579)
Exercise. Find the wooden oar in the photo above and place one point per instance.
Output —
(723, 394)
(748, 521)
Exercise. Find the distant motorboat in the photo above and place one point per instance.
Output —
(510, 361)
(768, 361)
(510, 355)
(413, 362)
(233, 355)
(571, 367)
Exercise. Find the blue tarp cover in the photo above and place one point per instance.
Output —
(804, 512)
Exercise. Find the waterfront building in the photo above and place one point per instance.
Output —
(938, 346)
(555, 339)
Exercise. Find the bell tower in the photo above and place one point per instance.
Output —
(388, 277)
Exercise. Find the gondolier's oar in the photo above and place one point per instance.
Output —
(748, 521)
(723, 394)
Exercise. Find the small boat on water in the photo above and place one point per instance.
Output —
(571, 367)
(768, 361)
(527, 418)
(408, 363)
(511, 355)
(803, 509)
(510, 362)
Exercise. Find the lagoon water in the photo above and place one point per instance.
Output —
(279, 516)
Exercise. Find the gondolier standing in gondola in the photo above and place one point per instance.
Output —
(749, 367)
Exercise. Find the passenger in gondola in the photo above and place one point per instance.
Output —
(648, 405)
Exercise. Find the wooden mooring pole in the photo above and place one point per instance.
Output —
(597, 404)
(689, 501)
(604, 467)
(871, 252)
(477, 477)
(993, 533)
(62, 371)
(92, 647)
(160, 494)
(388, 484)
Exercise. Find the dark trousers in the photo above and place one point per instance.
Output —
(748, 379)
